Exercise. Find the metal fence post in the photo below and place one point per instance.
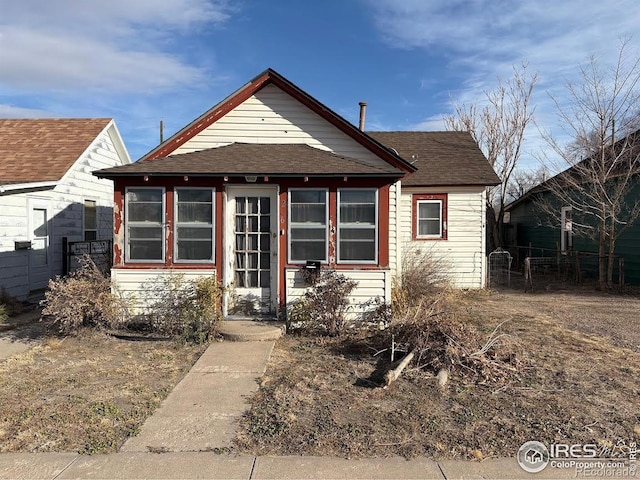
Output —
(65, 256)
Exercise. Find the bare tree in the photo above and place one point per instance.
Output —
(522, 181)
(602, 118)
(498, 128)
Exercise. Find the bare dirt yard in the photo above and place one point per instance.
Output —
(87, 393)
(578, 357)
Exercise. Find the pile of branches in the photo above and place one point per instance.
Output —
(435, 341)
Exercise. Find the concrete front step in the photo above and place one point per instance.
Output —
(250, 330)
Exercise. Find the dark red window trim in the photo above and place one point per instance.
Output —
(416, 197)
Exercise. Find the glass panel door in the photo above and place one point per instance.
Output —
(252, 242)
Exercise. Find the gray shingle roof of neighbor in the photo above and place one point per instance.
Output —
(442, 158)
(254, 159)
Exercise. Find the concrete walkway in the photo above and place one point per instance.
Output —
(204, 465)
(200, 415)
(202, 411)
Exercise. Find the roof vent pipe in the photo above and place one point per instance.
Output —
(363, 111)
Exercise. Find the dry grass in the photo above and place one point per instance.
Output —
(578, 385)
(87, 393)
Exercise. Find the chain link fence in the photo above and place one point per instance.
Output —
(500, 269)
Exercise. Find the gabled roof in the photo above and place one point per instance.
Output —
(268, 77)
(42, 150)
(254, 159)
(442, 158)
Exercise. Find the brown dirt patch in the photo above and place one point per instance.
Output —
(87, 393)
(578, 385)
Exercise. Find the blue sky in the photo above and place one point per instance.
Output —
(140, 61)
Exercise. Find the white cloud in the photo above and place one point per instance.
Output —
(482, 40)
(37, 60)
(433, 123)
(66, 45)
(10, 111)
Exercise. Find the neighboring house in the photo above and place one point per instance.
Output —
(270, 179)
(47, 192)
(532, 223)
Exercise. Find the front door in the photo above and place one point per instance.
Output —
(39, 255)
(252, 250)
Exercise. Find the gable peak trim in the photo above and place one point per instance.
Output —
(270, 76)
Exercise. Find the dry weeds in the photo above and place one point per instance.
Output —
(87, 393)
(578, 385)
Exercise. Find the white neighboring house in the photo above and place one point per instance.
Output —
(270, 179)
(47, 192)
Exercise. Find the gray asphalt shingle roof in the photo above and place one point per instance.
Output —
(255, 159)
(442, 158)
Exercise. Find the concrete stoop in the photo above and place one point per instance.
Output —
(248, 330)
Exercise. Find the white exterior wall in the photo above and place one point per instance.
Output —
(464, 250)
(395, 257)
(272, 116)
(65, 209)
(13, 227)
(140, 287)
(370, 284)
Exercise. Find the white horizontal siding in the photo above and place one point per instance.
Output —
(66, 209)
(370, 285)
(13, 227)
(13, 220)
(78, 185)
(463, 252)
(394, 254)
(273, 116)
(141, 287)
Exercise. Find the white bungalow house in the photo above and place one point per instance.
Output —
(270, 179)
(47, 192)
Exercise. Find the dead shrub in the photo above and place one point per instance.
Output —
(440, 340)
(3, 313)
(423, 274)
(323, 307)
(188, 311)
(84, 298)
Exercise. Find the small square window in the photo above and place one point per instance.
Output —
(429, 217)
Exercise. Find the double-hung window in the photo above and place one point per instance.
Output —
(194, 208)
(90, 220)
(308, 215)
(430, 217)
(357, 225)
(145, 224)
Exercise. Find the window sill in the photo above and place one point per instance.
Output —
(423, 239)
